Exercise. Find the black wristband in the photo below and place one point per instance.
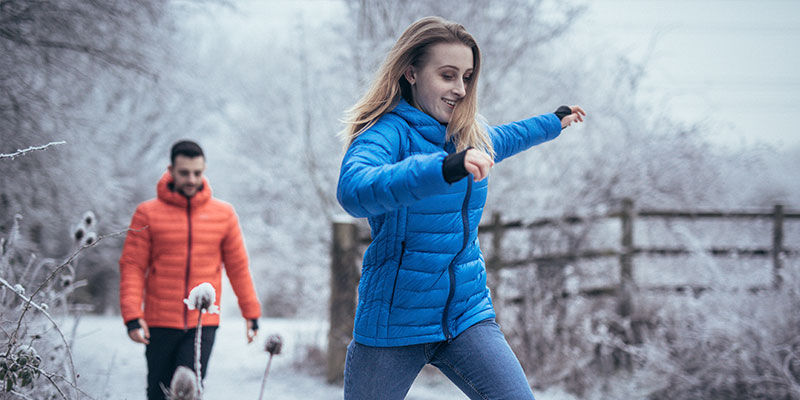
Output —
(453, 168)
(133, 325)
(255, 324)
(562, 112)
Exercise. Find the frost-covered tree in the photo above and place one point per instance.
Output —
(99, 76)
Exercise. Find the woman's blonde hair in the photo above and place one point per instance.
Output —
(390, 84)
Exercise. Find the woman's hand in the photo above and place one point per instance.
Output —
(577, 115)
(478, 164)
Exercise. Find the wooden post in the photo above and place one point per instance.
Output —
(344, 284)
(624, 305)
(494, 264)
(777, 246)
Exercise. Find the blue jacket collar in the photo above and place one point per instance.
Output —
(431, 129)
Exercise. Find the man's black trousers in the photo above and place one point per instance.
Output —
(170, 348)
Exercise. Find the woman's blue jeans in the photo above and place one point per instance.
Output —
(479, 361)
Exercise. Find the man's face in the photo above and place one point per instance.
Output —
(188, 174)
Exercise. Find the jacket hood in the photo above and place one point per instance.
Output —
(166, 192)
(431, 129)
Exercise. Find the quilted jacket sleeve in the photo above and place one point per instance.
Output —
(234, 256)
(510, 139)
(372, 181)
(133, 265)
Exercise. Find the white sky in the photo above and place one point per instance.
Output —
(734, 64)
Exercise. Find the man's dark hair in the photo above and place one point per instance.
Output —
(186, 148)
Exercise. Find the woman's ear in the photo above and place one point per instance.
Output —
(410, 74)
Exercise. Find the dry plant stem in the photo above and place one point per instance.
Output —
(30, 149)
(264, 380)
(29, 302)
(20, 395)
(50, 378)
(50, 277)
(55, 325)
(197, 371)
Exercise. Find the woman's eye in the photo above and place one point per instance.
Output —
(448, 77)
(467, 79)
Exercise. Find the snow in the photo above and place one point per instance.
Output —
(111, 366)
(202, 297)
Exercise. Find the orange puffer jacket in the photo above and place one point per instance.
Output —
(175, 244)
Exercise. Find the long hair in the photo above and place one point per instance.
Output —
(390, 84)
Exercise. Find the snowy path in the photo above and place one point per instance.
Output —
(112, 367)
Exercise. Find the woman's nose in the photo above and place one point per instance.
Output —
(459, 89)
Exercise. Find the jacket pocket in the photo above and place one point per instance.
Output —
(397, 274)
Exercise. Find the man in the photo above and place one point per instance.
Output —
(178, 240)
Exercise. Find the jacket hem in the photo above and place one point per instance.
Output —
(394, 342)
(481, 316)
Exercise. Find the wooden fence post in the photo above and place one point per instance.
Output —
(624, 305)
(344, 284)
(777, 245)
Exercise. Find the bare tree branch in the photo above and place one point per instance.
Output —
(30, 149)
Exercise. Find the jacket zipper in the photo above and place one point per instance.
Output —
(451, 266)
(396, 274)
(188, 263)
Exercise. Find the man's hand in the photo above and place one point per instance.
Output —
(252, 330)
(141, 335)
(478, 164)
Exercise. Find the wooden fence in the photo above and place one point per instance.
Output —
(349, 242)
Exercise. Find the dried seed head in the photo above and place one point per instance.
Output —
(88, 219)
(202, 298)
(90, 239)
(183, 386)
(78, 233)
(274, 344)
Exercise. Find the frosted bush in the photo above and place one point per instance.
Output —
(29, 326)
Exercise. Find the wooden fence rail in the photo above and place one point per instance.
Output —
(349, 242)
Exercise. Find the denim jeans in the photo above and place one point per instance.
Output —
(479, 361)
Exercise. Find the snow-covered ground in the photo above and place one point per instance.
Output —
(111, 366)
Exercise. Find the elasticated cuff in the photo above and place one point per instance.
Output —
(453, 168)
(562, 112)
(133, 324)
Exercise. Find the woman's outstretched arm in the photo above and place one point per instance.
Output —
(515, 137)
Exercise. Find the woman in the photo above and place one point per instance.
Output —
(416, 167)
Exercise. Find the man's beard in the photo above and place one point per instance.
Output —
(182, 190)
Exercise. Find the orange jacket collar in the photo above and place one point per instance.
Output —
(168, 195)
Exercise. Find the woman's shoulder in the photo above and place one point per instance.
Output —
(391, 121)
(389, 126)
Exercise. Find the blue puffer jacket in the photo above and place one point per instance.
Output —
(423, 278)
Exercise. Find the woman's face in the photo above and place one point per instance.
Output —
(441, 82)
